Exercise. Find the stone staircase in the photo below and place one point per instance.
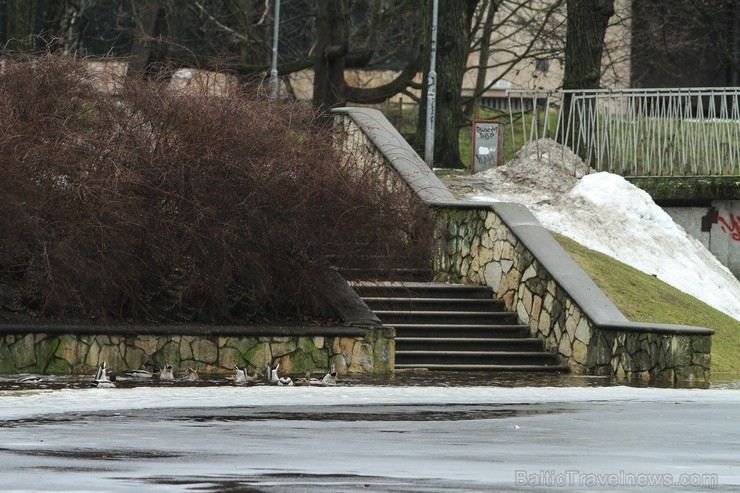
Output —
(454, 327)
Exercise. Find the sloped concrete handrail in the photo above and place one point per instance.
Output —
(399, 154)
(579, 286)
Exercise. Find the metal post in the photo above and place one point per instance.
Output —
(274, 86)
(431, 91)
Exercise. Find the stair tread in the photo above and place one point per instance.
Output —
(472, 353)
(418, 285)
(436, 366)
(443, 312)
(456, 326)
(471, 339)
(477, 301)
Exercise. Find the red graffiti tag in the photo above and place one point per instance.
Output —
(733, 226)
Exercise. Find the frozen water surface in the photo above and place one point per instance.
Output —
(370, 438)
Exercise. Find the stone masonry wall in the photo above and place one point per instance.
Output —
(477, 247)
(481, 249)
(79, 354)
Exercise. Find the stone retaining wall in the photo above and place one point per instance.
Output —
(358, 351)
(479, 248)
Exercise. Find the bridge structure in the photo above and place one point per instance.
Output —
(636, 132)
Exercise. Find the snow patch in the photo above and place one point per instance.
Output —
(605, 213)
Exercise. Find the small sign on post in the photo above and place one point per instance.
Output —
(488, 144)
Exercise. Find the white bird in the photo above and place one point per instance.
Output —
(101, 373)
(272, 373)
(30, 379)
(104, 384)
(166, 373)
(331, 377)
(191, 375)
(241, 375)
(139, 374)
(102, 380)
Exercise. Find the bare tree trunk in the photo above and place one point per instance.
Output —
(473, 107)
(3, 25)
(453, 27)
(148, 52)
(584, 45)
(20, 24)
(332, 43)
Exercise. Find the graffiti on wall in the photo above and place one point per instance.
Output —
(731, 226)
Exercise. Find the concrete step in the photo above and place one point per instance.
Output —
(468, 344)
(441, 326)
(474, 358)
(393, 317)
(434, 304)
(421, 290)
(462, 330)
(476, 367)
(384, 274)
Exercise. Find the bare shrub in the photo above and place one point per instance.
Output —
(158, 205)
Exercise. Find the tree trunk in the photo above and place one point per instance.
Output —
(3, 25)
(148, 52)
(473, 107)
(332, 43)
(584, 45)
(20, 23)
(453, 26)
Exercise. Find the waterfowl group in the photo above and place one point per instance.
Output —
(329, 379)
(105, 380)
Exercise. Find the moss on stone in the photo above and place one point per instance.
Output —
(689, 188)
(57, 366)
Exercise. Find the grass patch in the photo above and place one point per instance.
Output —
(644, 298)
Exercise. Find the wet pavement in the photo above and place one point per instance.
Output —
(420, 432)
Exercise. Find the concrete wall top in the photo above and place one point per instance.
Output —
(399, 154)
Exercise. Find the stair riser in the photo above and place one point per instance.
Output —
(475, 359)
(434, 305)
(386, 274)
(442, 292)
(489, 368)
(462, 332)
(523, 345)
(443, 318)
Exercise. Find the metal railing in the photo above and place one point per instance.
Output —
(637, 132)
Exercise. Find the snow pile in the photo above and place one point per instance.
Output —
(606, 213)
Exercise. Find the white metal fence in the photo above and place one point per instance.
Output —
(637, 132)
